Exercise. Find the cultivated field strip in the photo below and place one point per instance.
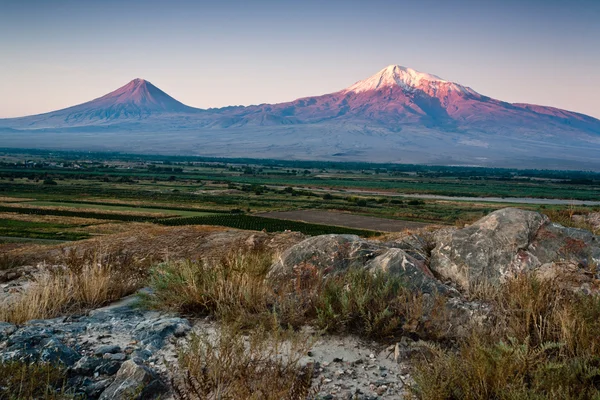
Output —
(251, 222)
(80, 214)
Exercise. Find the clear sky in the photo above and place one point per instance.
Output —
(58, 53)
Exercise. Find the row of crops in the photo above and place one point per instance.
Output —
(80, 214)
(148, 206)
(255, 223)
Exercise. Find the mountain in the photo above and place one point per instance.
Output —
(396, 115)
(397, 95)
(139, 99)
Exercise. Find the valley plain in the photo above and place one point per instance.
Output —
(104, 189)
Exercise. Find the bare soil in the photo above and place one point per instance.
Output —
(346, 220)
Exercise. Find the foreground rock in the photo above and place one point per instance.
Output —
(396, 262)
(331, 254)
(110, 353)
(328, 253)
(134, 381)
(507, 242)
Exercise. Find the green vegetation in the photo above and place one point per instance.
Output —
(250, 222)
(121, 188)
(235, 290)
(38, 230)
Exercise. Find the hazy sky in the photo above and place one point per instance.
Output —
(58, 53)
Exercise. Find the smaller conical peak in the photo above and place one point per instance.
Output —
(397, 75)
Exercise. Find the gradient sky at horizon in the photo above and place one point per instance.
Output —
(55, 54)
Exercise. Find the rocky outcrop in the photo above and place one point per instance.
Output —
(109, 353)
(328, 253)
(507, 242)
(332, 254)
(414, 273)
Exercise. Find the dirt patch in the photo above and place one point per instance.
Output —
(345, 219)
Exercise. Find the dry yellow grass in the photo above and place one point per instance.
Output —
(235, 289)
(540, 340)
(147, 240)
(262, 365)
(85, 282)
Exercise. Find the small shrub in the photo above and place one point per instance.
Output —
(262, 365)
(229, 289)
(377, 306)
(10, 261)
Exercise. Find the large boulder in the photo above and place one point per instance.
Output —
(413, 272)
(328, 253)
(134, 381)
(507, 242)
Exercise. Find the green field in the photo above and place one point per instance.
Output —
(38, 230)
(255, 223)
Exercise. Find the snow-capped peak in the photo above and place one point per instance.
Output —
(406, 78)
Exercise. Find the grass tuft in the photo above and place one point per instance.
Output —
(19, 380)
(86, 281)
(262, 365)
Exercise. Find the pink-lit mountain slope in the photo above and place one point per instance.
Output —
(398, 97)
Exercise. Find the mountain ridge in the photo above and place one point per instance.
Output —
(396, 115)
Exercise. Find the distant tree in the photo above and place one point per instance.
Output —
(327, 196)
(49, 181)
